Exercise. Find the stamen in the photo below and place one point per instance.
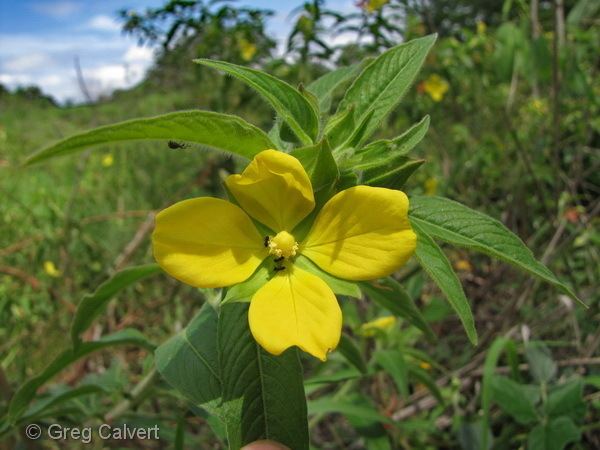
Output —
(282, 246)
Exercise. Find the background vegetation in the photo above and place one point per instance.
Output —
(512, 89)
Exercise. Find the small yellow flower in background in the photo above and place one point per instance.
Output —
(481, 27)
(539, 106)
(425, 365)
(361, 233)
(374, 5)
(371, 328)
(430, 186)
(436, 87)
(463, 265)
(108, 160)
(51, 269)
(247, 49)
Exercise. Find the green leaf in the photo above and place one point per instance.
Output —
(340, 127)
(319, 164)
(434, 262)
(517, 400)
(489, 368)
(337, 285)
(339, 375)
(392, 361)
(244, 291)
(383, 83)
(219, 131)
(314, 101)
(390, 294)
(327, 405)
(474, 436)
(541, 364)
(39, 408)
(180, 435)
(393, 176)
(381, 153)
(424, 378)
(263, 395)
(323, 87)
(4, 426)
(567, 400)
(373, 432)
(459, 225)
(290, 104)
(351, 352)
(189, 360)
(555, 435)
(358, 135)
(92, 305)
(27, 391)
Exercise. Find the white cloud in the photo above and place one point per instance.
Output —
(19, 44)
(59, 9)
(103, 23)
(14, 80)
(107, 61)
(26, 61)
(136, 54)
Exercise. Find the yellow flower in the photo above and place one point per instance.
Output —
(430, 186)
(51, 269)
(108, 160)
(381, 324)
(436, 87)
(361, 233)
(539, 106)
(481, 27)
(463, 265)
(247, 49)
(425, 365)
(375, 5)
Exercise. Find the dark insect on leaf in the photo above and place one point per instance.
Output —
(176, 145)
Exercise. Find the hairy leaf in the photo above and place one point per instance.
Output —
(219, 131)
(382, 84)
(189, 360)
(294, 108)
(324, 86)
(434, 262)
(92, 305)
(381, 153)
(263, 395)
(459, 225)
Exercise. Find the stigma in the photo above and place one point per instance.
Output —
(283, 245)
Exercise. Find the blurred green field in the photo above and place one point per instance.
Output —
(506, 138)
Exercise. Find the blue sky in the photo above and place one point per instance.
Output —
(39, 40)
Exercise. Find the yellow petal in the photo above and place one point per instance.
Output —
(296, 308)
(51, 269)
(274, 189)
(371, 328)
(361, 233)
(207, 242)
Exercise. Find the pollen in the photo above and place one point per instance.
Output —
(283, 245)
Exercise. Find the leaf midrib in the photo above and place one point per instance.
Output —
(199, 355)
(384, 90)
(480, 245)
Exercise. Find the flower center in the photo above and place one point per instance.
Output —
(283, 245)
